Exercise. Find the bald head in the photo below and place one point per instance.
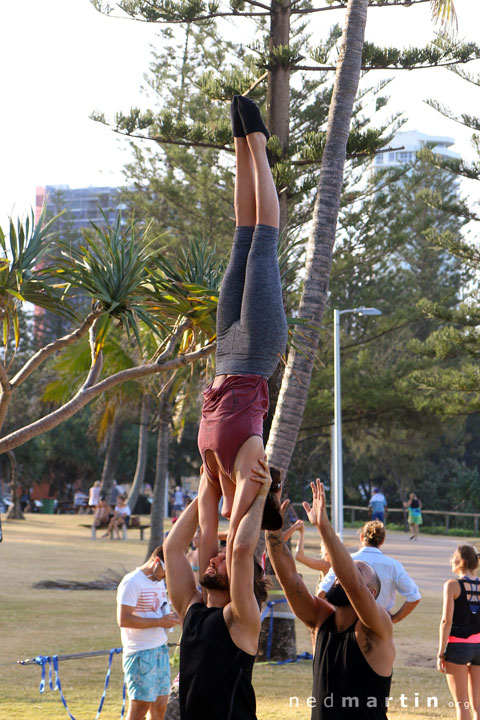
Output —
(369, 575)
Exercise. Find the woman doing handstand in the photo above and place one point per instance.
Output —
(251, 337)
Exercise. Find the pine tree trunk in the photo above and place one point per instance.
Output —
(161, 474)
(278, 86)
(111, 457)
(14, 511)
(296, 380)
(139, 476)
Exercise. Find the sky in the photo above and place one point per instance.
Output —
(61, 60)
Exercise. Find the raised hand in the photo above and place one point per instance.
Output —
(317, 513)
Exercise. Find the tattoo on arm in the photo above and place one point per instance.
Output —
(276, 541)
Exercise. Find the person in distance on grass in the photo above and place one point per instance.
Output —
(391, 572)
(220, 636)
(351, 634)
(143, 615)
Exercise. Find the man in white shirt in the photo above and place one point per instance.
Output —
(143, 615)
(392, 574)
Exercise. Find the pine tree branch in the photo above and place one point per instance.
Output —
(199, 18)
(166, 141)
(342, 6)
(332, 68)
(258, 4)
(39, 357)
(256, 83)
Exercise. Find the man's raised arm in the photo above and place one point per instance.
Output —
(363, 602)
(245, 613)
(303, 604)
(180, 577)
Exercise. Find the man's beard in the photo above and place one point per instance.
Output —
(337, 596)
(214, 582)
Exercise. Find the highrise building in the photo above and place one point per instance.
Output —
(411, 141)
(82, 206)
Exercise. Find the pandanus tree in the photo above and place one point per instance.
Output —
(118, 268)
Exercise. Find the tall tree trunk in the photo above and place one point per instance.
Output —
(161, 472)
(139, 477)
(14, 511)
(278, 86)
(111, 457)
(296, 380)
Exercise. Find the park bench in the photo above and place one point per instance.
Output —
(133, 526)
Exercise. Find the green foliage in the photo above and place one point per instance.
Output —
(113, 268)
(442, 51)
(24, 276)
(384, 259)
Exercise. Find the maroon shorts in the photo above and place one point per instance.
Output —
(231, 414)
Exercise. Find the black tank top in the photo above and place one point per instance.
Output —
(215, 675)
(344, 685)
(466, 621)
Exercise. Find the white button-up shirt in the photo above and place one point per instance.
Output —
(392, 574)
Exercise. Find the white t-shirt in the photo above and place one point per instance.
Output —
(149, 598)
(123, 510)
(392, 574)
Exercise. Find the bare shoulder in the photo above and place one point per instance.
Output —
(244, 635)
(452, 586)
(195, 600)
(378, 650)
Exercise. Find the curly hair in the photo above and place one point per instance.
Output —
(373, 533)
(261, 584)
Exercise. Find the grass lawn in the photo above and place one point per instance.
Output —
(34, 622)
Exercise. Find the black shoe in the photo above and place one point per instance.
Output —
(250, 116)
(237, 126)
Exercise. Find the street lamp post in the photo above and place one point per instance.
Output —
(337, 495)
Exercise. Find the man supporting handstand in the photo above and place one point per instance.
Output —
(353, 643)
(220, 637)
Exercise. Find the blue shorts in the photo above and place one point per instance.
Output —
(379, 516)
(147, 674)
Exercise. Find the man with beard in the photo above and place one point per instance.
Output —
(353, 640)
(220, 636)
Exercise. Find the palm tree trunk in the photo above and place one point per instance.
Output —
(296, 380)
(139, 476)
(111, 457)
(161, 473)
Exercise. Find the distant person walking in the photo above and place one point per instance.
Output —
(459, 642)
(414, 507)
(378, 505)
(177, 501)
(94, 495)
(392, 574)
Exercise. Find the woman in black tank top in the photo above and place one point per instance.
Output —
(459, 648)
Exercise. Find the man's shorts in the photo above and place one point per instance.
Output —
(379, 516)
(147, 674)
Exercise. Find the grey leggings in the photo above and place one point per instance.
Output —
(251, 322)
